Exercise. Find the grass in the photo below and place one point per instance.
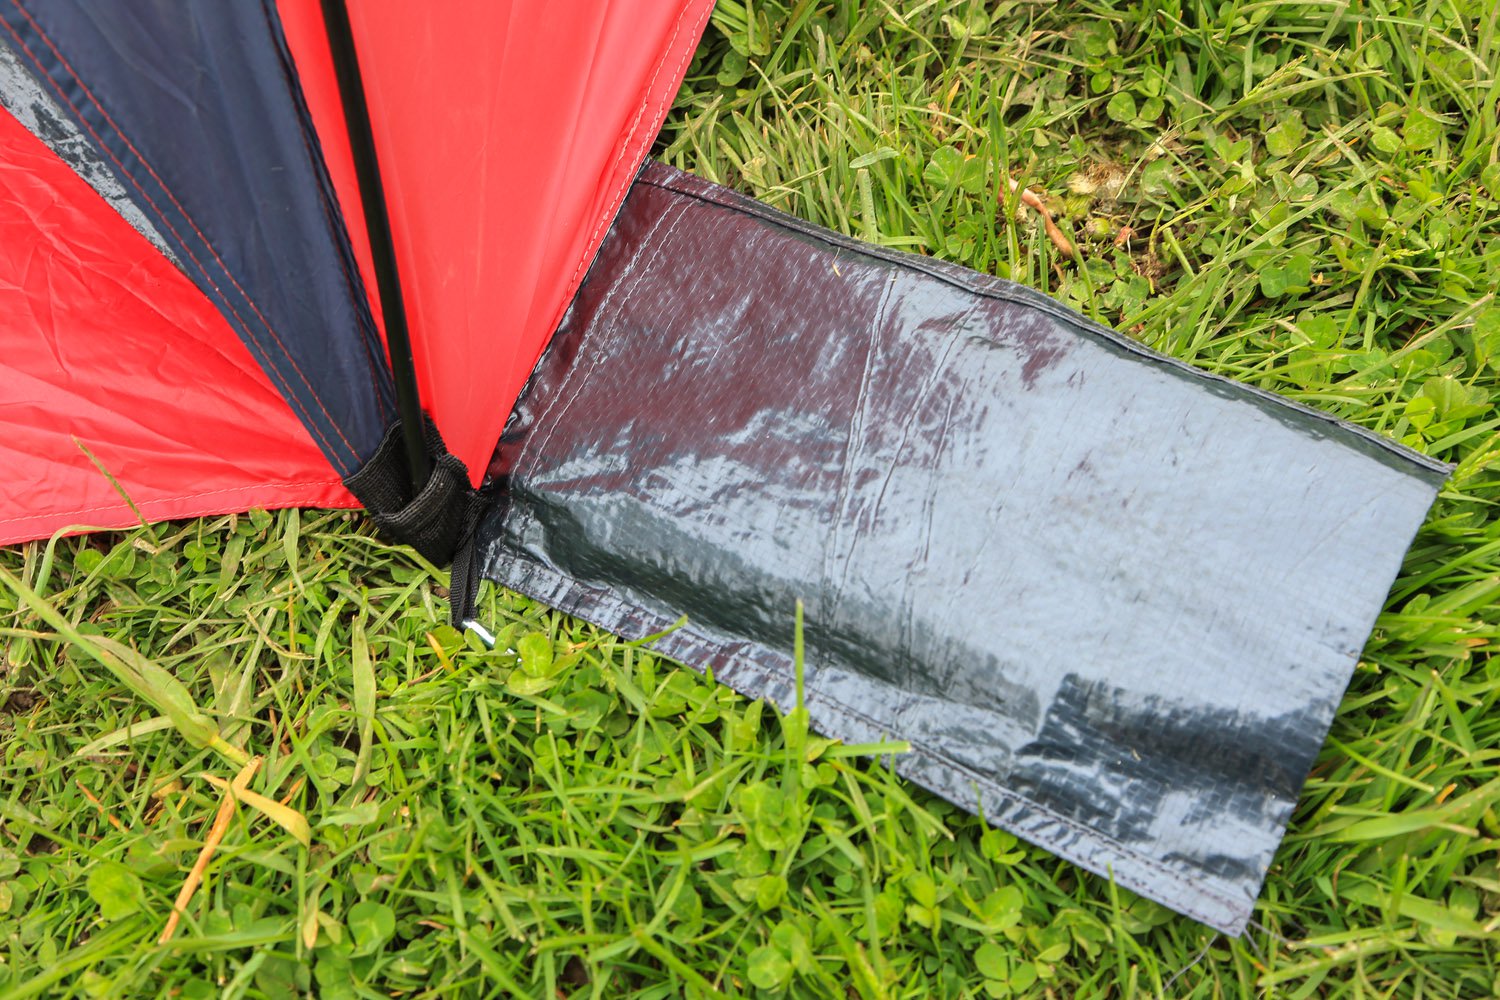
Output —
(1304, 196)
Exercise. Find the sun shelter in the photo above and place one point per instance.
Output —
(411, 258)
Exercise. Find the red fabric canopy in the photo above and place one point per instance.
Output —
(508, 133)
(109, 348)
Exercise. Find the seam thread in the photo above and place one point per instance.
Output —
(617, 197)
(332, 216)
(253, 341)
(629, 137)
(682, 184)
(42, 34)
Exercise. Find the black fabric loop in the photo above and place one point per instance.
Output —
(439, 521)
(463, 586)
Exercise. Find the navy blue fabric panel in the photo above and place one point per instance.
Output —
(194, 105)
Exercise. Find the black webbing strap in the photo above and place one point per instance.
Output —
(378, 227)
(439, 521)
(463, 588)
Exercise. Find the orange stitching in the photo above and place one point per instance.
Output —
(41, 33)
(331, 215)
(271, 369)
(176, 204)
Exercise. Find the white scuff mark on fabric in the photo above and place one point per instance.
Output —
(33, 106)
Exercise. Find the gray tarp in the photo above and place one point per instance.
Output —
(1110, 598)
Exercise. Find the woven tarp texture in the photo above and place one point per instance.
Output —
(1108, 598)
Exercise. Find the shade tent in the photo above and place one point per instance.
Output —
(1108, 598)
(245, 172)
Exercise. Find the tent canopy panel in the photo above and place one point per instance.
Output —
(111, 349)
(1109, 598)
(195, 109)
(507, 133)
(29, 101)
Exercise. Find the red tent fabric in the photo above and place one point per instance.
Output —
(963, 482)
(508, 133)
(123, 356)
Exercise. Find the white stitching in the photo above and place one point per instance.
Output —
(619, 193)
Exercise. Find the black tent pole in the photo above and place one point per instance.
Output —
(378, 224)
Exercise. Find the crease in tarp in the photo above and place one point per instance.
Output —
(1108, 598)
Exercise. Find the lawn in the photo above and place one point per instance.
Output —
(1302, 196)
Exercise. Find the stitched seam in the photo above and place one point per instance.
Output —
(376, 381)
(42, 34)
(681, 183)
(1179, 877)
(1151, 864)
(617, 197)
(176, 499)
(249, 335)
(576, 375)
(335, 223)
(264, 359)
(619, 192)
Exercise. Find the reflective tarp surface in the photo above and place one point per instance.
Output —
(1109, 598)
